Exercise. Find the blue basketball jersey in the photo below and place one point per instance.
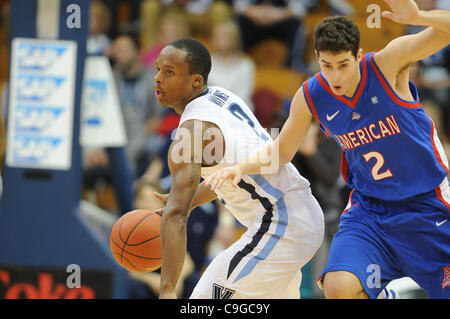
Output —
(390, 148)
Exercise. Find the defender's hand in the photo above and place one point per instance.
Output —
(233, 173)
(403, 11)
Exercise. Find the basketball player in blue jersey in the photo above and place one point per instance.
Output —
(397, 221)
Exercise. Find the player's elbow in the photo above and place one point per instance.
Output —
(285, 156)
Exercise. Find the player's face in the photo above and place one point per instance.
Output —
(341, 70)
(174, 85)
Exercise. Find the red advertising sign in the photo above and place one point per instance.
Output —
(22, 282)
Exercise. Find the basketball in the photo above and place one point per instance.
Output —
(135, 241)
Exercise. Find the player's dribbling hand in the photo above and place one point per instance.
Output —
(403, 11)
(233, 173)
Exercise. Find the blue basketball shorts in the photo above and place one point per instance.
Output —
(380, 241)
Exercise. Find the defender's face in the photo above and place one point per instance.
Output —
(173, 82)
(341, 70)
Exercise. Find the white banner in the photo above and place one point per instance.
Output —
(101, 116)
(41, 103)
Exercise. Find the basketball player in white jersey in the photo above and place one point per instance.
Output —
(284, 221)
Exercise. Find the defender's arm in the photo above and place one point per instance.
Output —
(407, 12)
(407, 49)
(269, 159)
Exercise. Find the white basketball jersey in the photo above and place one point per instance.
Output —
(243, 136)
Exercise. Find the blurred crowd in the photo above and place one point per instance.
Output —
(132, 33)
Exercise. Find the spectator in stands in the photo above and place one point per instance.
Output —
(434, 110)
(140, 110)
(105, 167)
(341, 7)
(172, 27)
(125, 16)
(201, 15)
(432, 75)
(318, 159)
(99, 22)
(274, 19)
(231, 67)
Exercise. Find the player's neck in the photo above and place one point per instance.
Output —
(355, 82)
(179, 109)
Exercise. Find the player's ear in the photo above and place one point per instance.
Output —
(360, 54)
(317, 54)
(197, 80)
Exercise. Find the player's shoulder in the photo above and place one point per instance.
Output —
(221, 93)
(212, 94)
(382, 62)
(206, 106)
(380, 57)
(309, 83)
(200, 102)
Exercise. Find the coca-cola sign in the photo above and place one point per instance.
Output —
(23, 282)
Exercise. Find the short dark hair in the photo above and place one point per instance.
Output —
(197, 56)
(336, 34)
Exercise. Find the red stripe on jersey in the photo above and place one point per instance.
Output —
(441, 198)
(387, 87)
(350, 202)
(436, 151)
(344, 167)
(320, 282)
(313, 109)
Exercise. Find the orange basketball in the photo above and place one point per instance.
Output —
(135, 241)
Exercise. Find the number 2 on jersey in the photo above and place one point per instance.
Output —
(376, 174)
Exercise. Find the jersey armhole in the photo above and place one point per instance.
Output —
(312, 108)
(388, 89)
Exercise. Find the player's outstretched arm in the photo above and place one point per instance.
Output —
(185, 180)
(269, 159)
(407, 12)
(405, 50)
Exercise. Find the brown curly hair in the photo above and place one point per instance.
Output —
(336, 34)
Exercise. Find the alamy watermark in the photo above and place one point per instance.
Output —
(73, 20)
(207, 147)
(374, 279)
(374, 18)
(74, 278)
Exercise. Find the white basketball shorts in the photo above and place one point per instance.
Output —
(266, 261)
